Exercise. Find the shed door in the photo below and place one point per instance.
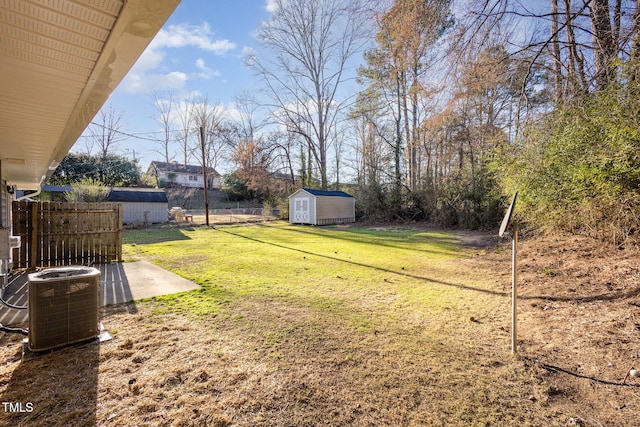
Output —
(301, 210)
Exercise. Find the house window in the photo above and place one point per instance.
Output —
(193, 178)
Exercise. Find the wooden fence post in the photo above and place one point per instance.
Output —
(119, 238)
(34, 235)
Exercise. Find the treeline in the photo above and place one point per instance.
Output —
(541, 98)
(457, 111)
(577, 161)
(454, 109)
(110, 170)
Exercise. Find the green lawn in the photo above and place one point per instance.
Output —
(323, 267)
(349, 325)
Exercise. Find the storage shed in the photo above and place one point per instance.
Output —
(141, 205)
(320, 207)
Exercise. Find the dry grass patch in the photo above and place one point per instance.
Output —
(362, 328)
(579, 324)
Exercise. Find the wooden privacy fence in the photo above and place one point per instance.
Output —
(56, 234)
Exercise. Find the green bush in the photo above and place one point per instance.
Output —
(87, 190)
(580, 170)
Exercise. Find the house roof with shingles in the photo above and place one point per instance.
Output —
(325, 193)
(147, 195)
(180, 168)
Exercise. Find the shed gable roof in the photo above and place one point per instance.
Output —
(137, 195)
(326, 193)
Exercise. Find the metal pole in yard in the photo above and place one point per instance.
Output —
(507, 223)
(204, 174)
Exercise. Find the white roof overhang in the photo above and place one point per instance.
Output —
(59, 61)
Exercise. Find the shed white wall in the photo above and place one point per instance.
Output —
(295, 216)
(134, 212)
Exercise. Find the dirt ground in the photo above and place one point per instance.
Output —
(230, 219)
(269, 364)
(578, 322)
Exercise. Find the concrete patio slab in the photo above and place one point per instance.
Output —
(119, 283)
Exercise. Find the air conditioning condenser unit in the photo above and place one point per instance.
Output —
(63, 307)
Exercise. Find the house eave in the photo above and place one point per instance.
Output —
(49, 95)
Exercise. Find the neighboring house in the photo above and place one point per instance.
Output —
(319, 207)
(281, 176)
(284, 181)
(141, 205)
(175, 174)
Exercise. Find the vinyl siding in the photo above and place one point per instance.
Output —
(134, 212)
(322, 210)
(331, 210)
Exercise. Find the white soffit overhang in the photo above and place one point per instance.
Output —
(59, 62)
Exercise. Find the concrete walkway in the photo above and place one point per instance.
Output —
(119, 283)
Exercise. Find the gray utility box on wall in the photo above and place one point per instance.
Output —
(63, 307)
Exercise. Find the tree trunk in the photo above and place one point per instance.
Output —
(576, 77)
(555, 49)
(603, 43)
(634, 70)
(398, 144)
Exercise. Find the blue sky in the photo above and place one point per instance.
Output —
(199, 50)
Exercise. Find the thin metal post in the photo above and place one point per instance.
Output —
(205, 176)
(514, 293)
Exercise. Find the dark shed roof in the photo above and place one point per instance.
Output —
(57, 188)
(327, 193)
(137, 195)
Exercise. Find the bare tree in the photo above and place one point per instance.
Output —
(247, 122)
(635, 45)
(105, 134)
(208, 117)
(185, 123)
(407, 33)
(576, 77)
(164, 107)
(589, 39)
(285, 144)
(396, 70)
(311, 44)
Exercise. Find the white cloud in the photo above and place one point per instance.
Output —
(232, 113)
(149, 82)
(248, 56)
(149, 60)
(247, 51)
(271, 5)
(183, 35)
(205, 72)
(149, 73)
